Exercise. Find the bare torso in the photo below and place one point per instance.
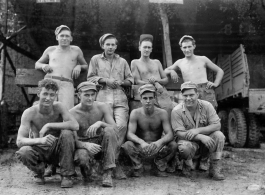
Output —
(63, 61)
(193, 69)
(149, 128)
(87, 118)
(147, 69)
(38, 120)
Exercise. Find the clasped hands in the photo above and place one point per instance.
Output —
(151, 149)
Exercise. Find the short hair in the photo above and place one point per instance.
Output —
(48, 84)
(187, 40)
(110, 37)
(146, 39)
(183, 90)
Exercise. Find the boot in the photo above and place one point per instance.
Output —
(50, 170)
(66, 182)
(204, 165)
(107, 179)
(215, 170)
(138, 172)
(85, 171)
(118, 172)
(186, 170)
(156, 172)
(39, 179)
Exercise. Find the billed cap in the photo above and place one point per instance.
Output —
(104, 37)
(146, 87)
(188, 85)
(60, 28)
(84, 86)
(185, 37)
(145, 36)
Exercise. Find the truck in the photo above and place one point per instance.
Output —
(241, 97)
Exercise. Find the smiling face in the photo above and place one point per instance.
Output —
(87, 97)
(145, 48)
(109, 46)
(190, 97)
(187, 48)
(47, 96)
(64, 38)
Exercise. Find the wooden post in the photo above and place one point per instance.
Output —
(2, 66)
(166, 39)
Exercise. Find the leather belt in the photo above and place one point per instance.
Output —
(59, 78)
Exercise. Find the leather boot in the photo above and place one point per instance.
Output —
(107, 179)
(118, 172)
(215, 170)
(50, 170)
(66, 182)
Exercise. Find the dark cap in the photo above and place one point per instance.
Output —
(146, 87)
(104, 37)
(60, 28)
(188, 85)
(145, 36)
(84, 86)
(184, 38)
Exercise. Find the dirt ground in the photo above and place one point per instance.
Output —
(242, 167)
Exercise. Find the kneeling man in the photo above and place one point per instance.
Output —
(94, 135)
(53, 140)
(197, 127)
(145, 129)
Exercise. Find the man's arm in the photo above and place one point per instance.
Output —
(82, 63)
(23, 132)
(136, 74)
(164, 78)
(215, 68)
(43, 62)
(167, 128)
(172, 71)
(128, 77)
(131, 136)
(68, 123)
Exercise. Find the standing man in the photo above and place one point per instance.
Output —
(53, 140)
(146, 70)
(113, 73)
(197, 127)
(145, 129)
(193, 68)
(60, 63)
(94, 135)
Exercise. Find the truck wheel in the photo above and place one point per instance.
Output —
(253, 131)
(224, 121)
(237, 128)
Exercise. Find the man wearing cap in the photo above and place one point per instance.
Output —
(197, 129)
(193, 68)
(53, 141)
(63, 63)
(146, 126)
(146, 70)
(113, 73)
(95, 137)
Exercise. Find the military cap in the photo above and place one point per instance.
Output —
(146, 87)
(84, 86)
(104, 37)
(146, 36)
(188, 85)
(60, 28)
(185, 37)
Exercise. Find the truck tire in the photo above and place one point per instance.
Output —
(253, 131)
(224, 122)
(237, 128)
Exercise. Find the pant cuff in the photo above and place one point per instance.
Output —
(216, 156)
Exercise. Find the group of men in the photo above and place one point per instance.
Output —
(65, 135)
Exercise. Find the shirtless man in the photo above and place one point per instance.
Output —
(146, 126)
(193, 68)
(146, 70)
(60, 63)
(89, 141)
(53, 141)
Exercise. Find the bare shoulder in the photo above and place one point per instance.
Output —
(59, 107)
(135, 62)
(74, 109)
(178, 62)
(161, 112)
(50, 49)
(203, 58)
(31, 111)
(135, 113)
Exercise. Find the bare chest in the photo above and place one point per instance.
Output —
(147, 70)
(193, 70)
(40, 120)
(61, 59)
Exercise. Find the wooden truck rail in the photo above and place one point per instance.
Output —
(241, 96)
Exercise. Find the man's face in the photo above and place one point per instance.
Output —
(187, 48)
(88, 97)
(190, 97)
(109, 46)
(47, 96)
(148, 100)
(145, 48)
(64, 38)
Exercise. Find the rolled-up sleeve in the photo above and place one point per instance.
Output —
(127, 73)
(92, 74)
